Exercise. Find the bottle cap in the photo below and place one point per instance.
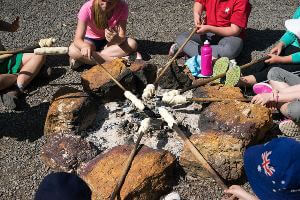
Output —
(206, 42)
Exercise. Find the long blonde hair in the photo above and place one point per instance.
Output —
(100, 17)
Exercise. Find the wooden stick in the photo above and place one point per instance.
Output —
(10, 53)
(168, 64)
(206, 81)
(107, 73)
(200, 158)
(216, 99)
(127, 167)
(146, 110)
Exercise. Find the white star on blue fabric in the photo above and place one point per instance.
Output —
(282, 182)
(274, 190)
(259, 168)
(273, 182)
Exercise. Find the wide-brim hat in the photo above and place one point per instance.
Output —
(293, 25)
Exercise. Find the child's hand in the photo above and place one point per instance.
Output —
(202, 29)
(15, 25)
(110, 34)
(239, 193)
(273, 59)
(262, 98)
(277, 49)
(197, 19)
(86, 51)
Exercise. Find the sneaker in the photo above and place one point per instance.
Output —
(74, 64)
(173, 49)
(290, 128)
(259, 88)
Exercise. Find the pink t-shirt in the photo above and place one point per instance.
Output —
(120, 13)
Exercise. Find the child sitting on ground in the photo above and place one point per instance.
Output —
(283, 90)
(18, 70)
(101, 31)
(286, 55)
(224, 28)
(273, 171)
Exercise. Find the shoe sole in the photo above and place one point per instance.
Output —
(233, 76)
(290, 129)
(220, 67)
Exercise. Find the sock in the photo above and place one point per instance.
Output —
(20, 86)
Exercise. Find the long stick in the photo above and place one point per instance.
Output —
(216, 99)
(8, 54)
(200, 158)
(168, 64)
(26, 49)
(205, 81)
(146, 110)
(127, 167)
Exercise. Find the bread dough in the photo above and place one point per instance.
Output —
(137, 102)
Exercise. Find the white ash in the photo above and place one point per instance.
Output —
(117, 123)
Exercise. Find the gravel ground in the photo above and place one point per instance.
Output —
(154, 23)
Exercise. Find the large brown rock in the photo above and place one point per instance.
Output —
(223, 151)
(219, 91)
(133, 77)
(243, 120)
(65, 152)
(227, 129)
(71, 111)
(150, 175)
(176, 77)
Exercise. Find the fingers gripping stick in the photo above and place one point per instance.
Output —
(137, 102)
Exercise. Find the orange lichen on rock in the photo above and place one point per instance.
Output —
(148, 178)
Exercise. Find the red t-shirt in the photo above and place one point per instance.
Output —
(223, 13)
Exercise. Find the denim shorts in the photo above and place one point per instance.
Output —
(99, 44)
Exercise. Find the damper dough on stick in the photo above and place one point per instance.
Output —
(148, 91)
(167, 117)
(137, 102)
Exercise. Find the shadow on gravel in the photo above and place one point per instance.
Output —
(25, 125)
(148, 48)
(258, 40)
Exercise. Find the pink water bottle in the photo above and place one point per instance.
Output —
(206, 59)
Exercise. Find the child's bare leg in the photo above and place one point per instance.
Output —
(247, 80)
(279, 86)
(32, 65)
(75, 54)
(7, 80)
(112, 51)
(284, 109)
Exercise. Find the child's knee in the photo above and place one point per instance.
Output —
(180, 39)
(292, 110)
(73, 51)
(132, 44)
(274, 73)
